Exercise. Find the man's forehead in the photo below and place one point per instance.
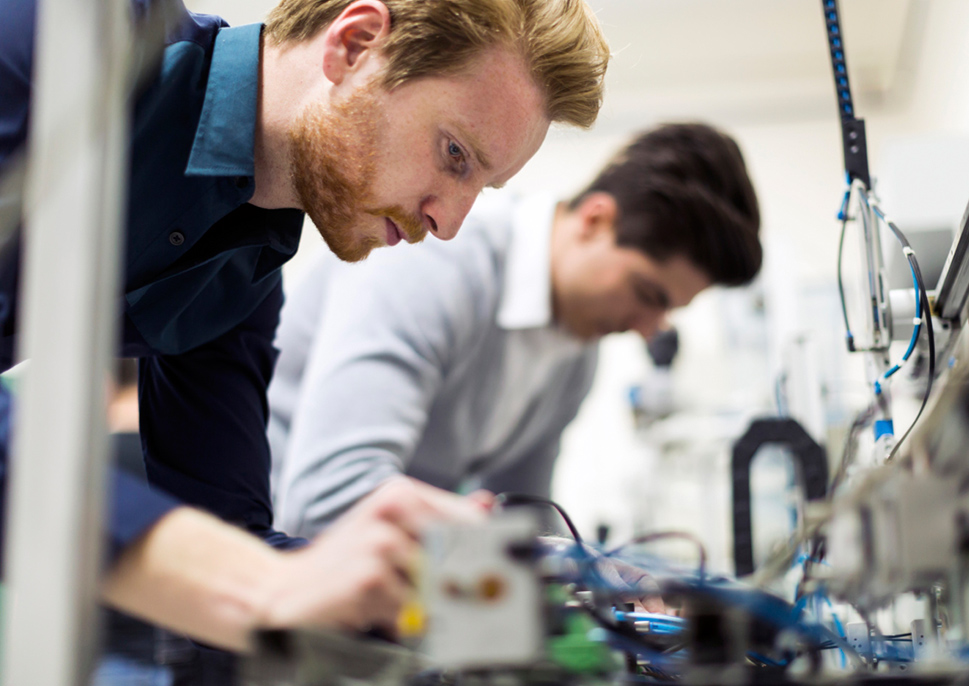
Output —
(498, 112)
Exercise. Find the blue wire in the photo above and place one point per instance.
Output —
(800, 605)
(844, 203)
(837, 627)
(843, 218)
(766, 660)
(915, 332)
(659, 623)
(918, 310)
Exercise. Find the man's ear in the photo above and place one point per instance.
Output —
(598, 213)
(360, 28)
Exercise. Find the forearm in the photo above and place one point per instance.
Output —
(312, 498)
(195, 574)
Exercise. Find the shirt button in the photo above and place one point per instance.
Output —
(176, 238)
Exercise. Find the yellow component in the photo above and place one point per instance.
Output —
(411, 621)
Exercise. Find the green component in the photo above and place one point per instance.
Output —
(556, 595)
(575, 652)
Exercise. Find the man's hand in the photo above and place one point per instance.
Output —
(195, 574)
(638, 587)
(643, 593)
(357, 574)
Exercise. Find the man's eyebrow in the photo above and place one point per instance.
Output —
(650, 289)
(475, 148)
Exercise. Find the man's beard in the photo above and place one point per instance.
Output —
(334, 161)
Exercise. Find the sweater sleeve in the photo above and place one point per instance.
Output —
(390, 331)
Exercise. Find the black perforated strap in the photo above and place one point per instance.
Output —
(852, 129)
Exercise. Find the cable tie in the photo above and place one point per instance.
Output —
(907, 251)
(917, 321)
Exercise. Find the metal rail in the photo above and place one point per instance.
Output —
(75, 188)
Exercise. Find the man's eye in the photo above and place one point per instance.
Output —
(457, 160)
(651, 300)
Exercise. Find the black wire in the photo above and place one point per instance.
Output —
(849, 338)
(928, 386)
(518, 499)
(861, 421)
(657, 673)
(815, 555)
(927, 318)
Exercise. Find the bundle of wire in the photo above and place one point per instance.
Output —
(663, 648)
(923, 313)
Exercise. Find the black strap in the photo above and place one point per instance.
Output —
(810, 460)
(852, 129)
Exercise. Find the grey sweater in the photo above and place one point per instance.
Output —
(439, 361)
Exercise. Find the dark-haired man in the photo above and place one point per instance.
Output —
(461, 364)
(381, 120)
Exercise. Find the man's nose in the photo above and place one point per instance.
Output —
(444, 214)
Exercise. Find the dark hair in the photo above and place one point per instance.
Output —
(683, 189)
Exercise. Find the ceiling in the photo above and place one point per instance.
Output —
(735, 61)
(748, 59)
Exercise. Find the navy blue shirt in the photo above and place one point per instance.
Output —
(202, 283)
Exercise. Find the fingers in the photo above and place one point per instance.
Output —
(413, 505)
(396, 550)
(641, 588)
(653, 603)
(359, 573)
(379, 600)
(639, 581)
(485, 499)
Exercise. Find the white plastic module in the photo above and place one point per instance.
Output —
(483, 602)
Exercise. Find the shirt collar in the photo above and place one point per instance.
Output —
(224, 140)
(526, 296)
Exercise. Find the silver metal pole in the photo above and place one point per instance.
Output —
(69, 305)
